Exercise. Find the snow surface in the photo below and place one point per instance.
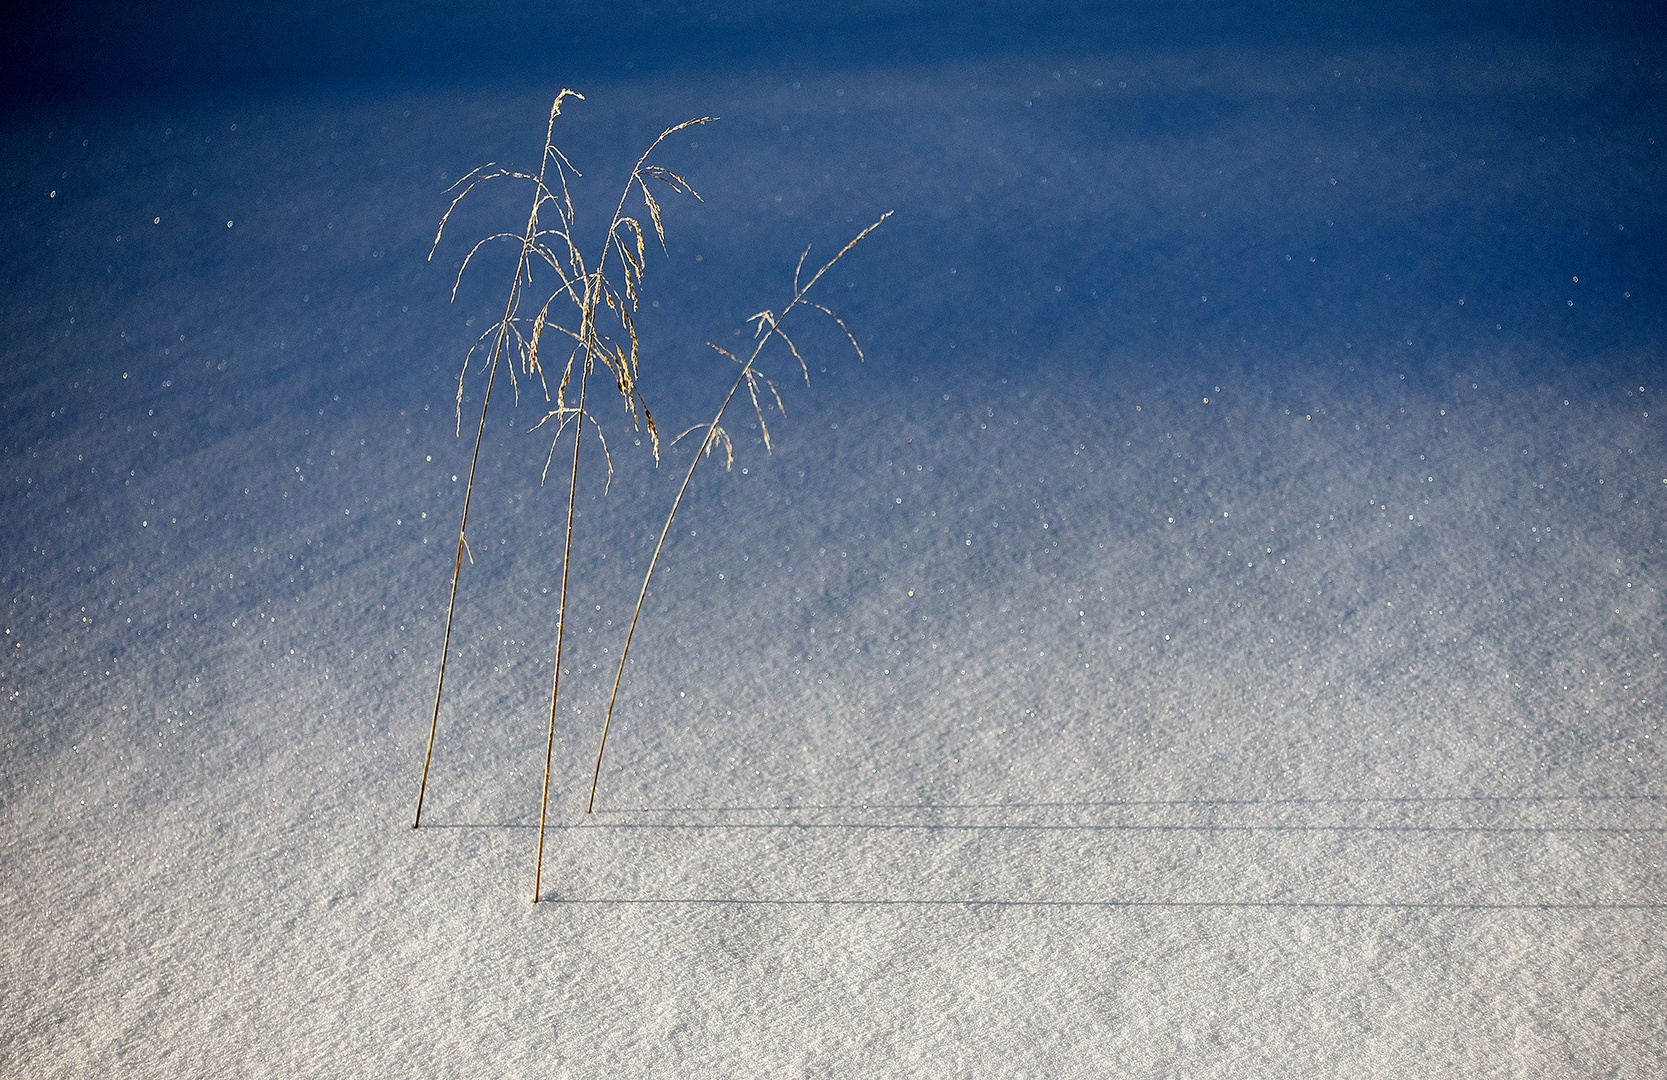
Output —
(1218, 631)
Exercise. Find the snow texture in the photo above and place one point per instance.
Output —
(1217, 631)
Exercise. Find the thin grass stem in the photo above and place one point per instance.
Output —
(561, 625)
(456, 572)
(528, 239)
(705, 445)
(768, 326)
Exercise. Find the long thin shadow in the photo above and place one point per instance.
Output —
(1387, 800)
(801, 808)
(1263, 905)
(864, 826)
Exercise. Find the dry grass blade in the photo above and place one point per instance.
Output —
(654, 213)
(803, 255)
(713, 432)
(478, 245)
(561, 614)
(528, 239)
(852, 337)
(587, 289)
(794, 349)
(591, 288)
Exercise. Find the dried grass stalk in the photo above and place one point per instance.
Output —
(582, 289)
(768, 326)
